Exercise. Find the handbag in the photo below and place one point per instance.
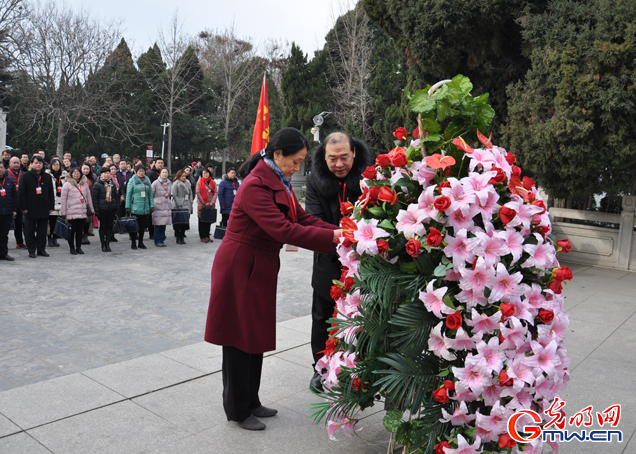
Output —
(115, 226)
(95, 221)
(128, 225)
(61, 228)
(208, 215)
(181, 216)
(219, 232)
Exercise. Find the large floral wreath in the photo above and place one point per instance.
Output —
(450, 305)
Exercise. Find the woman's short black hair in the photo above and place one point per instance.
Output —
(104, 169)
(139, 167)
(289, 140)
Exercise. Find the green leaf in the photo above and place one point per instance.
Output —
(432, 138)
(440, 271)
(483, 99)
(431, 126)
(377, 212)
(409, 267)
(484, 117)
(386, 225)
(420, 102)
(392, 420)
(404, 434)
(443, 110)
(464, 83)
(449, 302)
(443, 373)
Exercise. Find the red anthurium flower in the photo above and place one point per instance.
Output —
(400, 133)
(416, 133)
(563, 246)
(387, 195)
(370, 173)
(486, 142)
(383, 160)
(437, 161)
(462, 145)
(507, 214)
(346, 207)
(528, 183)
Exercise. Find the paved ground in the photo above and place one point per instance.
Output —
(103, 355)
(66, 314)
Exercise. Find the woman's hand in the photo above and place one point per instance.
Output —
(336, 234)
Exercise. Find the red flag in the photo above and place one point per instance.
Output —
(260, 139)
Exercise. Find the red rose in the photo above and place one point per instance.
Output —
(539, 203)
(387, 195)
(442, 203)
(336, 292)
(434, 238)
(556, 286)
(440, 395)
(499, 178)
(383, 160)
(444, 184)
(346, 208)
(439, 447)
(399, 158)
(507, 214)
(504, 380)
(508, 310)
(374, 193)
(506, 441)
(383, 246)
(450, 385)
(564, 246)
(563, 274)
(542, 230)
(413, 247)
(528, 183)
(516, 171)
(511, 158)
(454, 320)
(400, 133)
(370, 173)
(348, 283)
(416, 133)
(546, 316)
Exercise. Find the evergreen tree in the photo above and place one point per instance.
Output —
(572, 118)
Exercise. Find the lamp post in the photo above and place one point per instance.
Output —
(163, 138)
(318, 121)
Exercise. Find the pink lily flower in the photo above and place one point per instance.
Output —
(489, 356)
(545, 358)
(513, 243)
(434, 300)
(505, 284)
(542, 254)
(463, 447)
(516, 334)
(478, 184)
(459, 417)
(483, 323)
(422, 173)
(426, 202)
(457, 248)
(462, 219)
(410, 221)
(347, 425)
(477, 279)
(462, 340)
(471, 298)
(460, 198)
(481, 157)
(555, 330)
(474, 376)
(489, 207)
(437, 343)
(367, 234)
(491, 248)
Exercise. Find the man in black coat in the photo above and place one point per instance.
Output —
(37, 201)
(337, 166)
(8, 210)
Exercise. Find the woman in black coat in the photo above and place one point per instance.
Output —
(106, 203)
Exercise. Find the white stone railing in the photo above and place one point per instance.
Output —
(592, 245)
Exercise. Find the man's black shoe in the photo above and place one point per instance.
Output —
(315, 384)
(32, 255)
(43, 253)
(8, 258)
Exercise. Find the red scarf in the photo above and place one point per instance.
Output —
(204, 188)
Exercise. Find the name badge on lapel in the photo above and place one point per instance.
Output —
(290, 248)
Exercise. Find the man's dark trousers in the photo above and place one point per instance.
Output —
(18, 228)
(35, 233)
(5, 225)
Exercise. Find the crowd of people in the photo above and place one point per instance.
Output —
(86, 196)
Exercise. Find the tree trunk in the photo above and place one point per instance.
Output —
(60, 138)
(169, 154)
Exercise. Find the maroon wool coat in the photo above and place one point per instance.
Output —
(242, 310)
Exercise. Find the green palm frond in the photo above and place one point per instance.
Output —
(410, 380)
(416, 323)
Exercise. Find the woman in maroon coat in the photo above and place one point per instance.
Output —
(242, 311)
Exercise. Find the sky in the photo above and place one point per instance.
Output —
(301, 21)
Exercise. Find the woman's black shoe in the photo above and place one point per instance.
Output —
(251, 423)
(79, 251)
(133, 245)
(263, 412)
(142, 245)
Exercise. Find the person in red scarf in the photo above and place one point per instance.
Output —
(206, 198)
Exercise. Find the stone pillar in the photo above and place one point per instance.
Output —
(625, 234)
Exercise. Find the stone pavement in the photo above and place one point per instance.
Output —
(66, 314)
(162, 399)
